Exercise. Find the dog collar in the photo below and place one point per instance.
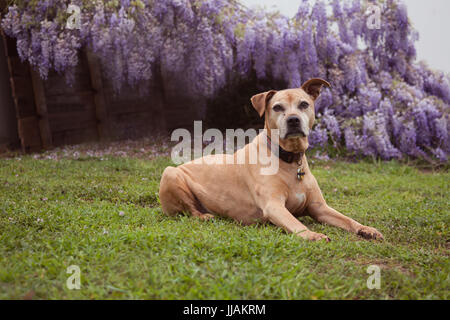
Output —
(290, 157)
(284, 155)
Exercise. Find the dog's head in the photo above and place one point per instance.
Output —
(290, 111)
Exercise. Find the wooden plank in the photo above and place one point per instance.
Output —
(3, 147)
(10, 45)
(75, 136)
(23, 96)
(130, 101)
(25, 107)
(27, 121)
(19, 68)
(71, 103)
(72, 120)
(135, 125)
(137, 117)
(29, 134)
(41, 108)
(57, 85)
(99, 98)
(22, 87)
(3, 4)
(131, 106)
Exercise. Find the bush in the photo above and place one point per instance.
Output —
(383, 103)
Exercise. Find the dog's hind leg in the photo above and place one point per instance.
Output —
(176, 197)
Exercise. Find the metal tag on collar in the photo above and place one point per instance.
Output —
(300, 173)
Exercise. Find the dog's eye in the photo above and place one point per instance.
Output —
(303, 105)
(278, 108)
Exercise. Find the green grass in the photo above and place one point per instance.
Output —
(54, 214)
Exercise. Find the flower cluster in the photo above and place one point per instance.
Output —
(382, 104)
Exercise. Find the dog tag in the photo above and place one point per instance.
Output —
(300, 174)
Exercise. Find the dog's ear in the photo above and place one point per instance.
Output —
(313, 87)
(260, 101)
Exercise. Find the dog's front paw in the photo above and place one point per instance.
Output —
(314, 236)
(370, 233)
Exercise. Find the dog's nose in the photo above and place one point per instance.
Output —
(293, 121)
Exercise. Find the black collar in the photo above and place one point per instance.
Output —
(284, 155)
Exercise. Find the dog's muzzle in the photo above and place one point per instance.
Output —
(294, 127)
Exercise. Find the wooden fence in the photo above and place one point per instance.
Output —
(51, 113)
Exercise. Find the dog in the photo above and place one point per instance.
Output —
(241, 192)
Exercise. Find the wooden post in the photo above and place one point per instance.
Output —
(22, 93)
(41, 108)
(99, 98)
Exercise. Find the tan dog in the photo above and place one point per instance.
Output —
(241, 192)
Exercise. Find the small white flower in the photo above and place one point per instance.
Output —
(121, 213)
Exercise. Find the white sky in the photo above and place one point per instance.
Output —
(430, 17)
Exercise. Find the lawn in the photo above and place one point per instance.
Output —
(102, 214)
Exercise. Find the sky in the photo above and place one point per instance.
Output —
(430, 18)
